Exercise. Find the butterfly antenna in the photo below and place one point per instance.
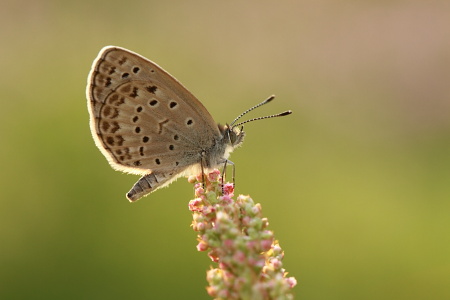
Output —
(252, 108)
(285, 113)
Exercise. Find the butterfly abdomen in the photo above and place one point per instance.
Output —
(149, 183)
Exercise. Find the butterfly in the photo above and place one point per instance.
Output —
(146, 122)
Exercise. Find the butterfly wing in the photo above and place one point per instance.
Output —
(142, 119)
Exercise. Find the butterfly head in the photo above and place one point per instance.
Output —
(233, 135)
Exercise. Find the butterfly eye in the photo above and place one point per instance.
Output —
(233, 137)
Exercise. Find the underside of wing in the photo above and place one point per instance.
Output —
(143, 119)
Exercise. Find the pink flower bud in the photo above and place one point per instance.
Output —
(200, 227)
(214, 176)
(246, 221)
(239, 257)
(207, 210)
(223, 266)
(276, 264)
(214, 256)
(256, 210)
(257, 262)
(276, 249)
(199, 191)
(194, 205)
(226, 199)
(228, 188)
(266, 245)
(291, 281)
(211, 290)
(202, 246)
(228, 244)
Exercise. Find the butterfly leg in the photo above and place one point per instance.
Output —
(234, 172)
(202, 168)
(225, 163)
(224, 172)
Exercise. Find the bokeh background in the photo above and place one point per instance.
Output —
(356, 183)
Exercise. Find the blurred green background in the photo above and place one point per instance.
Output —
(356, 183)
